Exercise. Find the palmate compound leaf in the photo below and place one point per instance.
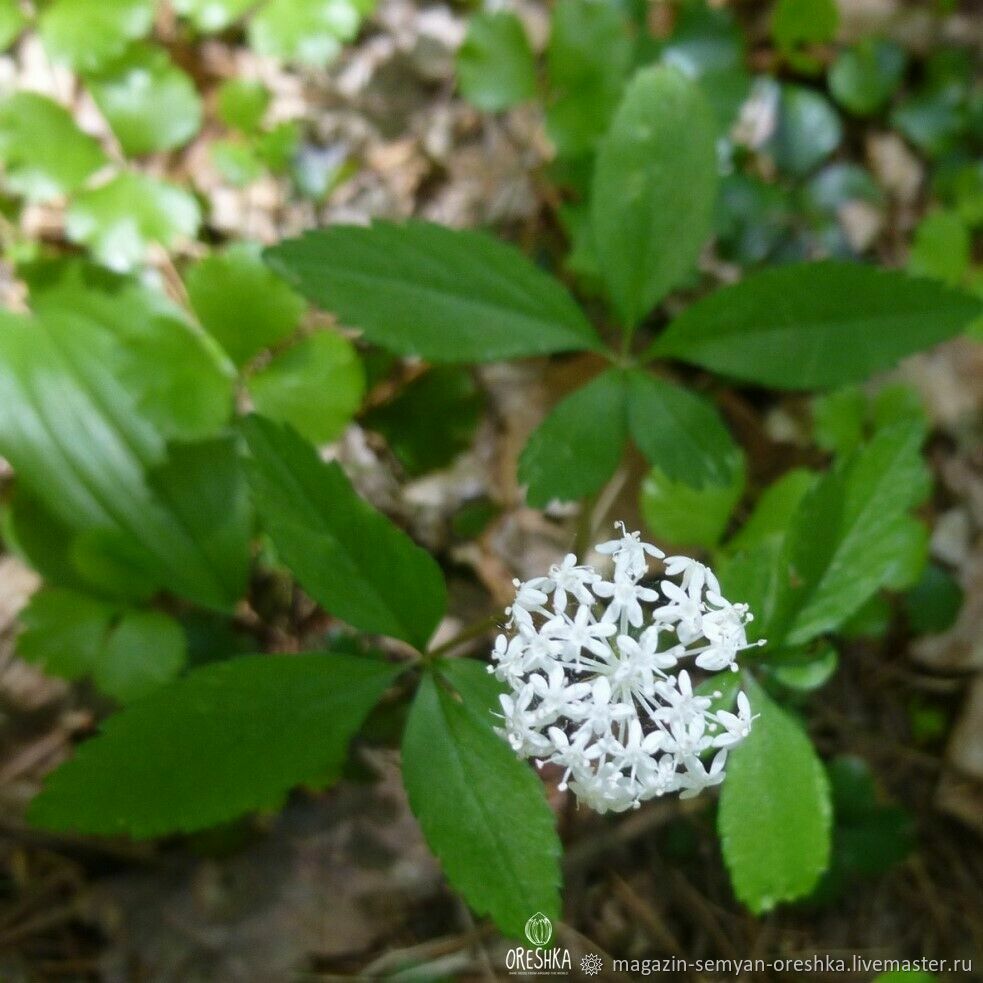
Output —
(775, 814)
(483, 811)
(230, 737)
(350, 558)
(77, 442)
(446, 295)
(654, 186)
(812, 325)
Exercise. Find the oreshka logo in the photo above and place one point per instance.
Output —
(539, 960)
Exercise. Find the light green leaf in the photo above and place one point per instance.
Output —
(432, 420)
(309, 32)
(43, 152)
(64, 631)
(795, 23)
(838, 419)
(128, 653)
(812, 325)
(149, 102)
(86, 34)
(775, 813)
(773, 510)
(679, 513)
(242, 103)
(422, 289)
(243, 304)
(577, 447)
(680, 433)
(655, 182)
(144, 651)
(759, 576)
(316, 386)
(350, 558)
(486, 817)
(942, 248)
(227, 738)
(478, 688)
(844, 542)
(495, 64)
(74, 436)
(12, 22)
(863, 78)
(118, 219)
(178, 377)
(210, 16)
(236, 161)
(587, 60)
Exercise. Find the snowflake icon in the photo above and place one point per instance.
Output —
(591, 964)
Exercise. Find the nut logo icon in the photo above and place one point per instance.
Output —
(539, 929)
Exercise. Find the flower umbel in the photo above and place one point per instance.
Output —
(598, 679)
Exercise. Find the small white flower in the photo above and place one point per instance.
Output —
(587, 661)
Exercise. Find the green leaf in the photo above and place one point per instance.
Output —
(795, 23)
(654, 183)
(74, 436)
(495, 64)
(679, 513)
(806, 671)
(316, 386)
(203, 486)
(808, 130)
(227, 738)
(577, 447)
(64, 631)
(446, 295)
(86, 34)
(243, 304)
(236, 161)
(758, 575)
(775, 814)
(587, 61)
(119, 218)
(942, 248)
(708, 45)
(309, 32)
(128, 653)
(432, 420)
(148, 101)
(144, 651)
(242, 103)
(933, 604)
(812, 325)
(12, 22)
(175, 372)
(680, 433)
(478, 688)
(482, 810)
(863, 78)
(350, 558)
(210, 16)
(43, 152)
(843, 541)
(838, 419)
(773, 510)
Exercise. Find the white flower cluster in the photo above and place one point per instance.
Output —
(593, 666)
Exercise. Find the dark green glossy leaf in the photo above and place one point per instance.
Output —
(349, 557)
(228, 738)
(486, 817)
(443, 294)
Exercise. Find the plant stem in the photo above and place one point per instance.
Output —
(475, 630)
